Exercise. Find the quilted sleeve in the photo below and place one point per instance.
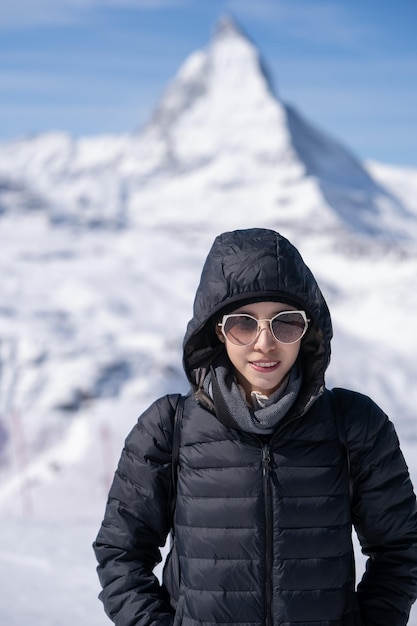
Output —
(384, 516)
(137, 522)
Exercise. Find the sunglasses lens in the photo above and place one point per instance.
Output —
(240, 329)
(288, 327)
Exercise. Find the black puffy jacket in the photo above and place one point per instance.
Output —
(262, 524)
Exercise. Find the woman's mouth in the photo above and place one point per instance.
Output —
(264, 366)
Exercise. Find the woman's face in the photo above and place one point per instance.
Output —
(263, 365)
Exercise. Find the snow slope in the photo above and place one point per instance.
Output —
(102, 243)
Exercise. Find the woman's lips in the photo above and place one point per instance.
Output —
(264, 366)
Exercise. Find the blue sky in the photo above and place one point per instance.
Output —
(96, 66)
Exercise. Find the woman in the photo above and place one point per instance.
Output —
(263, 511)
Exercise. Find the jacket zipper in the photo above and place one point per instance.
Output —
(266, 464)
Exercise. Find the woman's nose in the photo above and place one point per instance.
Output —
(265, 340)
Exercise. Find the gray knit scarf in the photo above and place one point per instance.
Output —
(261, 421)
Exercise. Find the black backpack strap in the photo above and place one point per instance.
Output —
(341, 433)
(176, 440)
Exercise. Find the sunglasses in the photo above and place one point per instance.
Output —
(242, 329)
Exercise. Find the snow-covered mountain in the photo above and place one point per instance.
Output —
(103, 240)
(218, 128)
(102, 243)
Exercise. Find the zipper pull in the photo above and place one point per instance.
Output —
(266, 460)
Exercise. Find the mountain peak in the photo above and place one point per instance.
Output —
(221, 109)
(228, 31)
(226, 26)
(219, 91)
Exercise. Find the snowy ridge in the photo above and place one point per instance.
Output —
(400, 181)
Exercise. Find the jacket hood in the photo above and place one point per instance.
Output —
(249, 265)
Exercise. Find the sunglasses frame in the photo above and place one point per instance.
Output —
(259, 329)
